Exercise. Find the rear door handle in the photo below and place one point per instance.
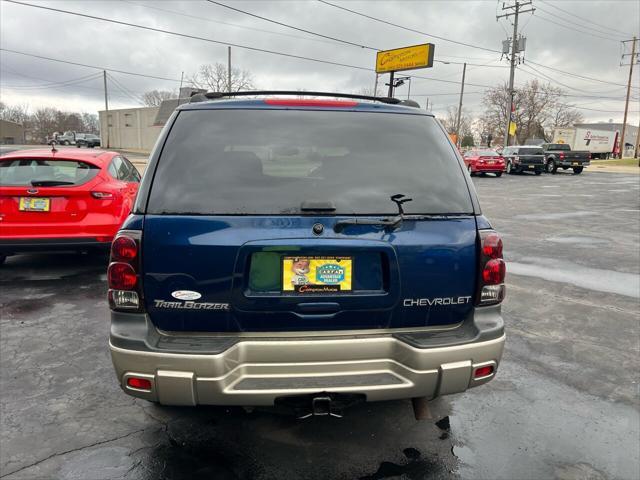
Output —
(319, 307)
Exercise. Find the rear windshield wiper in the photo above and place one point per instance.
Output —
(392, 223)
(50, 183)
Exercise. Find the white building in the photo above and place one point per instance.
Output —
(129, 128)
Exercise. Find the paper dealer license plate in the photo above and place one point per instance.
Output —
(317, 274)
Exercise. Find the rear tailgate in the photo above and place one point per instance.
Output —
(423, 274)
(229, 242)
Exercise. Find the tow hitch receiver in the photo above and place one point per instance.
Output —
(322, 404)
(320, 407)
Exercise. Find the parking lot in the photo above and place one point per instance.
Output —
(564, 404)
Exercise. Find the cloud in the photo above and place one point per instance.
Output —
(107, 45)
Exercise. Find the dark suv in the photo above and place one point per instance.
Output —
(284, 249)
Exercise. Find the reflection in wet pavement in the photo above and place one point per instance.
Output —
(563, 271)
(564, 404)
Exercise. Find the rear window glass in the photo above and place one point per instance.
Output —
(530, 151)
(25, 172)
(269, 162)
(558, 146)
(487, 153)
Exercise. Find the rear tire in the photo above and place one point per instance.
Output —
(509, 168)
(577, 170)
(66, 142)
(551, 166)
(470, 170)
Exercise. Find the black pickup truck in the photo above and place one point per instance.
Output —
(560, 155)
(522, 158)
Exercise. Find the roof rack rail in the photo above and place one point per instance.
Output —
(203, 97)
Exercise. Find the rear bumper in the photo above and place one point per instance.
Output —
(574, 163)
(15, 245)
(250, 371)
(488, 168)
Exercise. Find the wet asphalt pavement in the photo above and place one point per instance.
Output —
(565, 403)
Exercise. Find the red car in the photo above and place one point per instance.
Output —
(63, 199)
(484, 161)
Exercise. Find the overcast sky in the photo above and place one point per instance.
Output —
(556, 37)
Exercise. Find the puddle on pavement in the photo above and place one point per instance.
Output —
(578, 240)
(554, 216)
(555, 270)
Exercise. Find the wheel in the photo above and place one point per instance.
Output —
(577, 170)
(538, 171)
(509, 168)
(77, 145)
(66, 142)
(551, 166)
(498, 174)
(470, 170)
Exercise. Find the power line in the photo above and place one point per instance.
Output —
(584, 19)
(282, 24)
(60, 88)
(573, 28)
(576, 75)
(88, 66)
(185, 35)
(585, 28)
(49, 84)
(194, 37)
(408, 28)
(246, 27)
(335, 39)
(124, 89)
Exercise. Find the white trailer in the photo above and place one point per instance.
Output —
(600, 143)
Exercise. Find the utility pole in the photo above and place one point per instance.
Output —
(106, 104)
(375, 86)
(229, 68)
(464, 71)
(427, 105)
(391, 82)
(513, 58)
(626, 105)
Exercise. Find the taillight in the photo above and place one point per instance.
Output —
(492, 245)
(494, 272)
(562, 156)
(124, 248)
(125, 290)
(492, 269)
(121, 276)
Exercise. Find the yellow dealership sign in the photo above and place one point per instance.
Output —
(407, 58)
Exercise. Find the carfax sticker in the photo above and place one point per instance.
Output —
(316, 274)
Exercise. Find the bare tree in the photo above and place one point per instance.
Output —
(215, 77)
(153, 98)
(449, 122)
(14, 113)
(562, 116)
(43, 123)
(90, 123)
(537, 111)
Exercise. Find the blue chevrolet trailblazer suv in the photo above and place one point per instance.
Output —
(312, 251)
